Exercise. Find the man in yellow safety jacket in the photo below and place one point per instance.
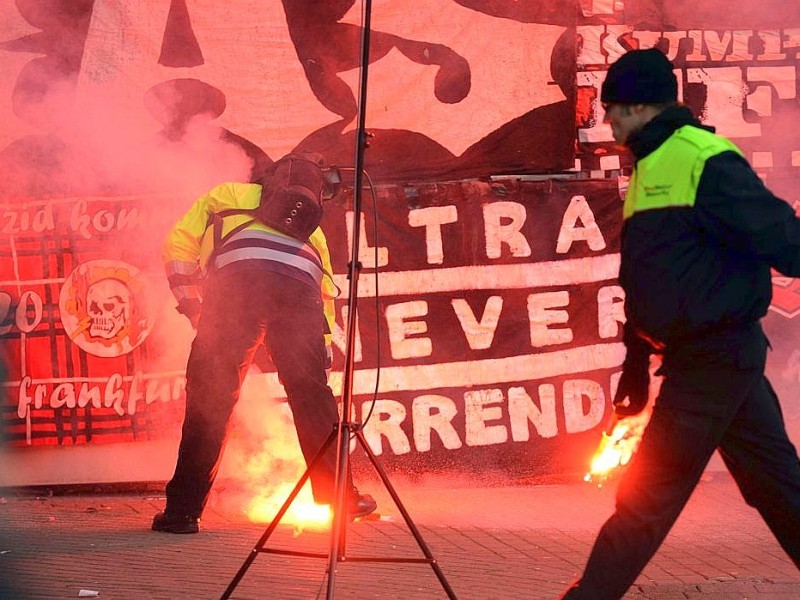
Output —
(259, 286)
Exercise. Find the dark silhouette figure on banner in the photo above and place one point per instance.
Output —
(399, 154)
(179, 47)
(512, 148)
(536, 11)
(34, 164)
(326, 47)
(187, 109)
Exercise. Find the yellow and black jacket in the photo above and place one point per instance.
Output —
(700, 233)
(202, 241)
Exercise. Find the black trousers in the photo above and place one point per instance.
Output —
(243, 307)
(714, 395)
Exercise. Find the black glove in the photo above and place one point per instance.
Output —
(634, 384)
(190, 307)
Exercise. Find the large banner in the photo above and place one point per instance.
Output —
(488, 321)
(118, 94)
(81, 306)
(496, 323)
(488, 314)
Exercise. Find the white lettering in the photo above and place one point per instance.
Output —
(123, 394)
(578, 210)
(102, 220)
(63, 395)
(584, 404)
(540, 318)
(598, 131)
(566, 271)
(431, 413)
(782, 79)
(24, 400)
(478, 409)
(21, 221)
(135, 392)
(503, 221)
(387, 417)
(366, 253)
(479, 333)
(339, 336)
(726, 94)
(89, 394)
(29, 302)
(740, 47)
(695, 53)
(717, 44)
(401, 326)
(610, 310)
(432, 220)
(114, 395)
(522, 410)
(5, 310)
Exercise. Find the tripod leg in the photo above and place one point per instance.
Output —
(411, 526)
(338, 529)
(276, 520)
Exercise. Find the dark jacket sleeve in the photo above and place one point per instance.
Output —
(741, 214)
(637, 350)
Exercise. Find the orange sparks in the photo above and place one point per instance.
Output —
(619, 443)
(303, 513)
(263, 463)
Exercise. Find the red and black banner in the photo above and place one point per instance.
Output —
(488, 314)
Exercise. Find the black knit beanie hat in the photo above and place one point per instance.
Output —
(640, 77)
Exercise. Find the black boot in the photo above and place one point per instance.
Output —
(360, 505)
(170, 523)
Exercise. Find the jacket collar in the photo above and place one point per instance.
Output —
(657, 130)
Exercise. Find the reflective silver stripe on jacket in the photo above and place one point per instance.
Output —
(292, 257)
(186, 291)
(260, 234)
(181, 267)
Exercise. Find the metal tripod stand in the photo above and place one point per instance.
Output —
(336, 553)
(344, 430)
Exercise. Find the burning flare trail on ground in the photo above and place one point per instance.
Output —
(303, 513)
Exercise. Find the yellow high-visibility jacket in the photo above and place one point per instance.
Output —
(189, 251)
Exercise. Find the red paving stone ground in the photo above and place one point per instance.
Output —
(492, 543)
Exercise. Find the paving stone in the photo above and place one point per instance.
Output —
(510, 543)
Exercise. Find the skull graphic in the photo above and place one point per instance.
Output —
(109, 304)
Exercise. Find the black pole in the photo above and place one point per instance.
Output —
(345, 427)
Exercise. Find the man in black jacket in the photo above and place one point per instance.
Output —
(700, 235)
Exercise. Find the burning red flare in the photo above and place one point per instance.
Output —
(620, 441)
(303, 513)
(263, 462)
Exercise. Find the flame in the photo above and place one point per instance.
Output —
(263, 463)
(303, 513)
(618, 445)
